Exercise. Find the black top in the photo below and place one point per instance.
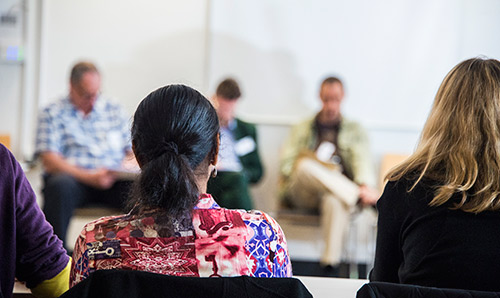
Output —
(134, 283)
(379, 289)
(435, 246)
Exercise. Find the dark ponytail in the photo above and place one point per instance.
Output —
(174, 131)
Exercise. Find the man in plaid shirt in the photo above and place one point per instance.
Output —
(80, 140)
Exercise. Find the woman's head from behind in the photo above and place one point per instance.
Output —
(460, 142)
(467, 106)
(175, 139)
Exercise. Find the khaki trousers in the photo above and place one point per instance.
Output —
(314, 185)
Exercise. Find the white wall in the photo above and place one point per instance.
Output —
(10, 95)
(392, 56)
(138, 45)
(11, 71)
(380, 49)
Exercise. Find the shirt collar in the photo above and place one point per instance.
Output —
(98, 108)
(206, 201)
(231, 125)
(335, 125)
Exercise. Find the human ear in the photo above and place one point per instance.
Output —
(216, 151)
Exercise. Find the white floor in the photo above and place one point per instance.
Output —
(323, 287)
(304, 241)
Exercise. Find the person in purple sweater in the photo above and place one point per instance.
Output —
(29, 250)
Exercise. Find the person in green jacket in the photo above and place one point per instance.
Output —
(326, 165)
(239, 164)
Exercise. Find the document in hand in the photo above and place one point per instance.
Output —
(122, 174)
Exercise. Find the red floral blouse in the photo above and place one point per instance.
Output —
(212, 241)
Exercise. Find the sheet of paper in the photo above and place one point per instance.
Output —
(325, 151)
(244, 146)
(122, 174)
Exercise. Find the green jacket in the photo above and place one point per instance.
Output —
(252, 167)
(353, 146)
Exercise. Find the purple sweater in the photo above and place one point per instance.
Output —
(29, 250)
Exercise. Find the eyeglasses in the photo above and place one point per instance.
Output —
(86, 95)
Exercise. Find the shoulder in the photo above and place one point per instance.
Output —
(12, 175)
(107, 219)
(404, 193)
(244, 123)
(90, 227)
(7, 162)
(396, 188)
(351, 125)
(111, 110)
(261, 223)
(257, 216)
(5, 155)
(245, 126)
(57, 107)
(305, 126)
(109, 105)
(307, 122)
(352, 132)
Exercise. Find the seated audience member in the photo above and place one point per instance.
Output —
(439, 215)
(238, 163)
(80, 139)
(29, 250)
(174, 226)
(326, 164)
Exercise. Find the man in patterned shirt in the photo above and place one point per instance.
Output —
(80, 140)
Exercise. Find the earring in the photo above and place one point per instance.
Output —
(214, 172)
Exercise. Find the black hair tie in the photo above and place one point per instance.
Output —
(172, 147)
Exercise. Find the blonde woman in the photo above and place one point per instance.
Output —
(439, 218)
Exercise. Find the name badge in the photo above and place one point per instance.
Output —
(245, 146)
(115, 141)
(325, 151)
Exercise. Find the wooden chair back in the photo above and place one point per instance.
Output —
(389, 161)
(5, 140)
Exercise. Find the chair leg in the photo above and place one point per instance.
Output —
(344, 270)
(362, 271)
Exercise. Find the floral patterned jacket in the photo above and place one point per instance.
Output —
(212, 242)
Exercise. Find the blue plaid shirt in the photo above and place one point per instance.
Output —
(99, 140)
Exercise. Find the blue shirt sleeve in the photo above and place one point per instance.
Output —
(48, 137)
(126, 124)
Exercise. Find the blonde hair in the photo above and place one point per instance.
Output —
(460, 143)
